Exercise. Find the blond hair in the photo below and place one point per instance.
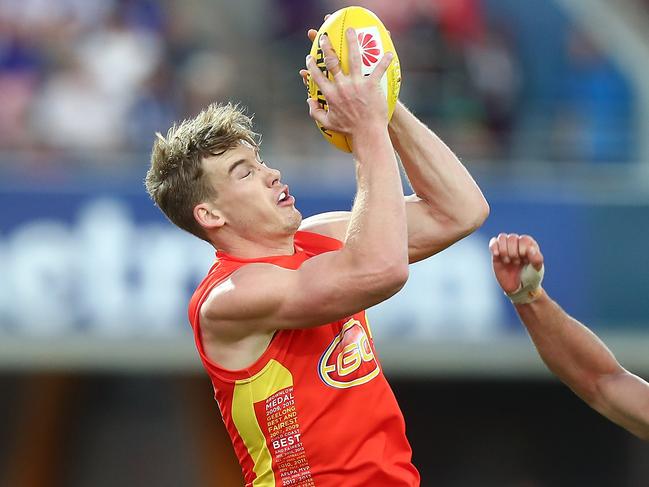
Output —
(175, 181)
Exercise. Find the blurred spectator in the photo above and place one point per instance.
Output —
(495, 74)
(74, 112)
(593, 119)
(156, 107)
(293, 16)
(19, 67)
(84, 104)
(206, 76)
(458, 20)
(47, 19)
(119, 56)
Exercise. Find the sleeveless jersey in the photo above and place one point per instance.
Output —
(315, 409)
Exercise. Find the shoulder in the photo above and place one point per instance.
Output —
(331, 224)
(234, 305)
(240, 291)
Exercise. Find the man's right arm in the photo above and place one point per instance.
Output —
(584, 363)
(372, 265)
(568, 348)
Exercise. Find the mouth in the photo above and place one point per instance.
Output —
(284, 198)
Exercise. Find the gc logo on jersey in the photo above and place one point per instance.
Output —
(349, 360)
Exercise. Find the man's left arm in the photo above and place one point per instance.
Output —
(447, 204)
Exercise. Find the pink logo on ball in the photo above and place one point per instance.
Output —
(369, 49)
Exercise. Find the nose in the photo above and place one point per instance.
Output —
(274, 176)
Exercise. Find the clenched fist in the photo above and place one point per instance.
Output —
(518, 265)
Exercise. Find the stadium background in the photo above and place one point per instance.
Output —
(547, 103)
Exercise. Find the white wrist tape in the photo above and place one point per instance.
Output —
(530, 286)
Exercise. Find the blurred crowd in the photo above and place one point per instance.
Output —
(81, 74)
(101, 76)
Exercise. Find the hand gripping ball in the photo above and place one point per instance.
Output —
(374, 40)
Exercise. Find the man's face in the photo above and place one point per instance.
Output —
(250, 196)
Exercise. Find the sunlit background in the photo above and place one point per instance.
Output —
(546, 102)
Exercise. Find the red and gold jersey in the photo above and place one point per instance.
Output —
(315, 409)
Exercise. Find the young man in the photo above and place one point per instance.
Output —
(568, 348)
(279, 321)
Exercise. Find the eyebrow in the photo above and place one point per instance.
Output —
(235, 165)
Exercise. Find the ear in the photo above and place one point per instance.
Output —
(208, 217)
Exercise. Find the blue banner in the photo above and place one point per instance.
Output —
(85, 258)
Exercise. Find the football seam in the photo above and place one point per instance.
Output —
(343, 33)
(342, 36)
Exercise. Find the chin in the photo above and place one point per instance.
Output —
(295, 221)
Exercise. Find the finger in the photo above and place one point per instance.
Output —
(320, 79)
(525, 243)
(382, 66)
(533, 253)
(311, 33)
(493, 247)
(502, 247)
(536, 258)
(330, 58)
(512, 248)
(304, 74)
(354, 53)
(316, 112)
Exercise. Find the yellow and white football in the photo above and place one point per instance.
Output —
(374, 40)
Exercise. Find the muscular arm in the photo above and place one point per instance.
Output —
(447, 204)
(582, 361)
(569, 349)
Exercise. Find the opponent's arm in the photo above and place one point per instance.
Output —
(569, 349)
(372, 265)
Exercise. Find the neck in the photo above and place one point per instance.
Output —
(248, 249)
